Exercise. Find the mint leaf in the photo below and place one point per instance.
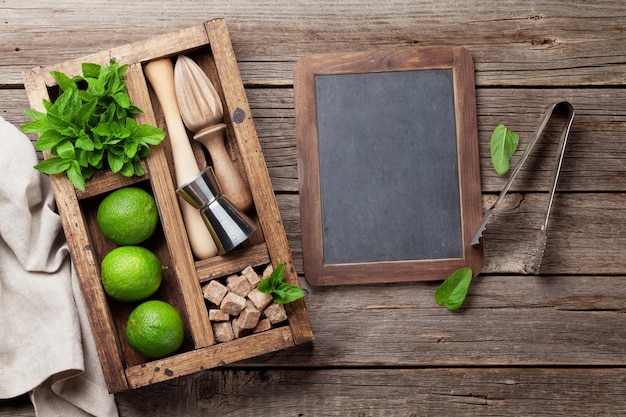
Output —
(286, 293)
(115, 162)
(75, 175)
(91, 70)
(122, 99)
(65, 82)
(282, 292)
(54, 165)
(66, 150)
(451, 293)
(149, 134)
(128, 170)
(504, 143)
(39, 122)
(48, 140)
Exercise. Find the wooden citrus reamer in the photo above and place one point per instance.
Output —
(202, 112)
(160, 73)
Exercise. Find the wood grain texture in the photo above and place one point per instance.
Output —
(595, 158)
(547, 345)
(531, 43)
(471, 392)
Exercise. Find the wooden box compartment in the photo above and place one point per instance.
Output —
(209, 45)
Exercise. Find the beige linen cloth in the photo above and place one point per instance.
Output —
(46, 345)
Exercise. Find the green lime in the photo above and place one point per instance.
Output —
(131, 273)
(127, 216)
(155, 329)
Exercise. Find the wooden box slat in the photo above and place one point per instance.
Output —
(171, 219)
(209, 44)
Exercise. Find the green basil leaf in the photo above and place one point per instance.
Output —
(452, 292)
(54, 165)
(504, 143)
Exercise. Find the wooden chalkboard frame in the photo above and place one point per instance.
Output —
(456, 59)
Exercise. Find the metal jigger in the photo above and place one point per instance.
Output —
(228, 226)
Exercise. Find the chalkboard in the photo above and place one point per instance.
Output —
(388, 165)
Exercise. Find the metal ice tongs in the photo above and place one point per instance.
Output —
(569, 112)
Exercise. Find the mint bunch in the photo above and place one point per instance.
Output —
(90, 126)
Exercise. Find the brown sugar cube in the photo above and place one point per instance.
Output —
(268, 271)
(218, 315)
(262, 326)
(238, 284)
(249, 317)
(275, 313)
(223, 331)
(239, 331)
(233, 304)
(214, 292)
(251, 275)
(260, 299)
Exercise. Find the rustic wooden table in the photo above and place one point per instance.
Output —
(536, 345)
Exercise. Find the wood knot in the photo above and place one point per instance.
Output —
(543, 41)
(239, 115)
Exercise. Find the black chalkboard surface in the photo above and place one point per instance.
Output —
(388, 160)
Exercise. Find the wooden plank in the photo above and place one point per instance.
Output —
(220, 266)
(594, 159)
(506, 320)
(209, 357)
(529, 43)
(171, 219)
(239, 116)
(87, 267)
(452, 392)
(405, 392)
(587, 233)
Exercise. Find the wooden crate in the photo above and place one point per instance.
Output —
(209, 45)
